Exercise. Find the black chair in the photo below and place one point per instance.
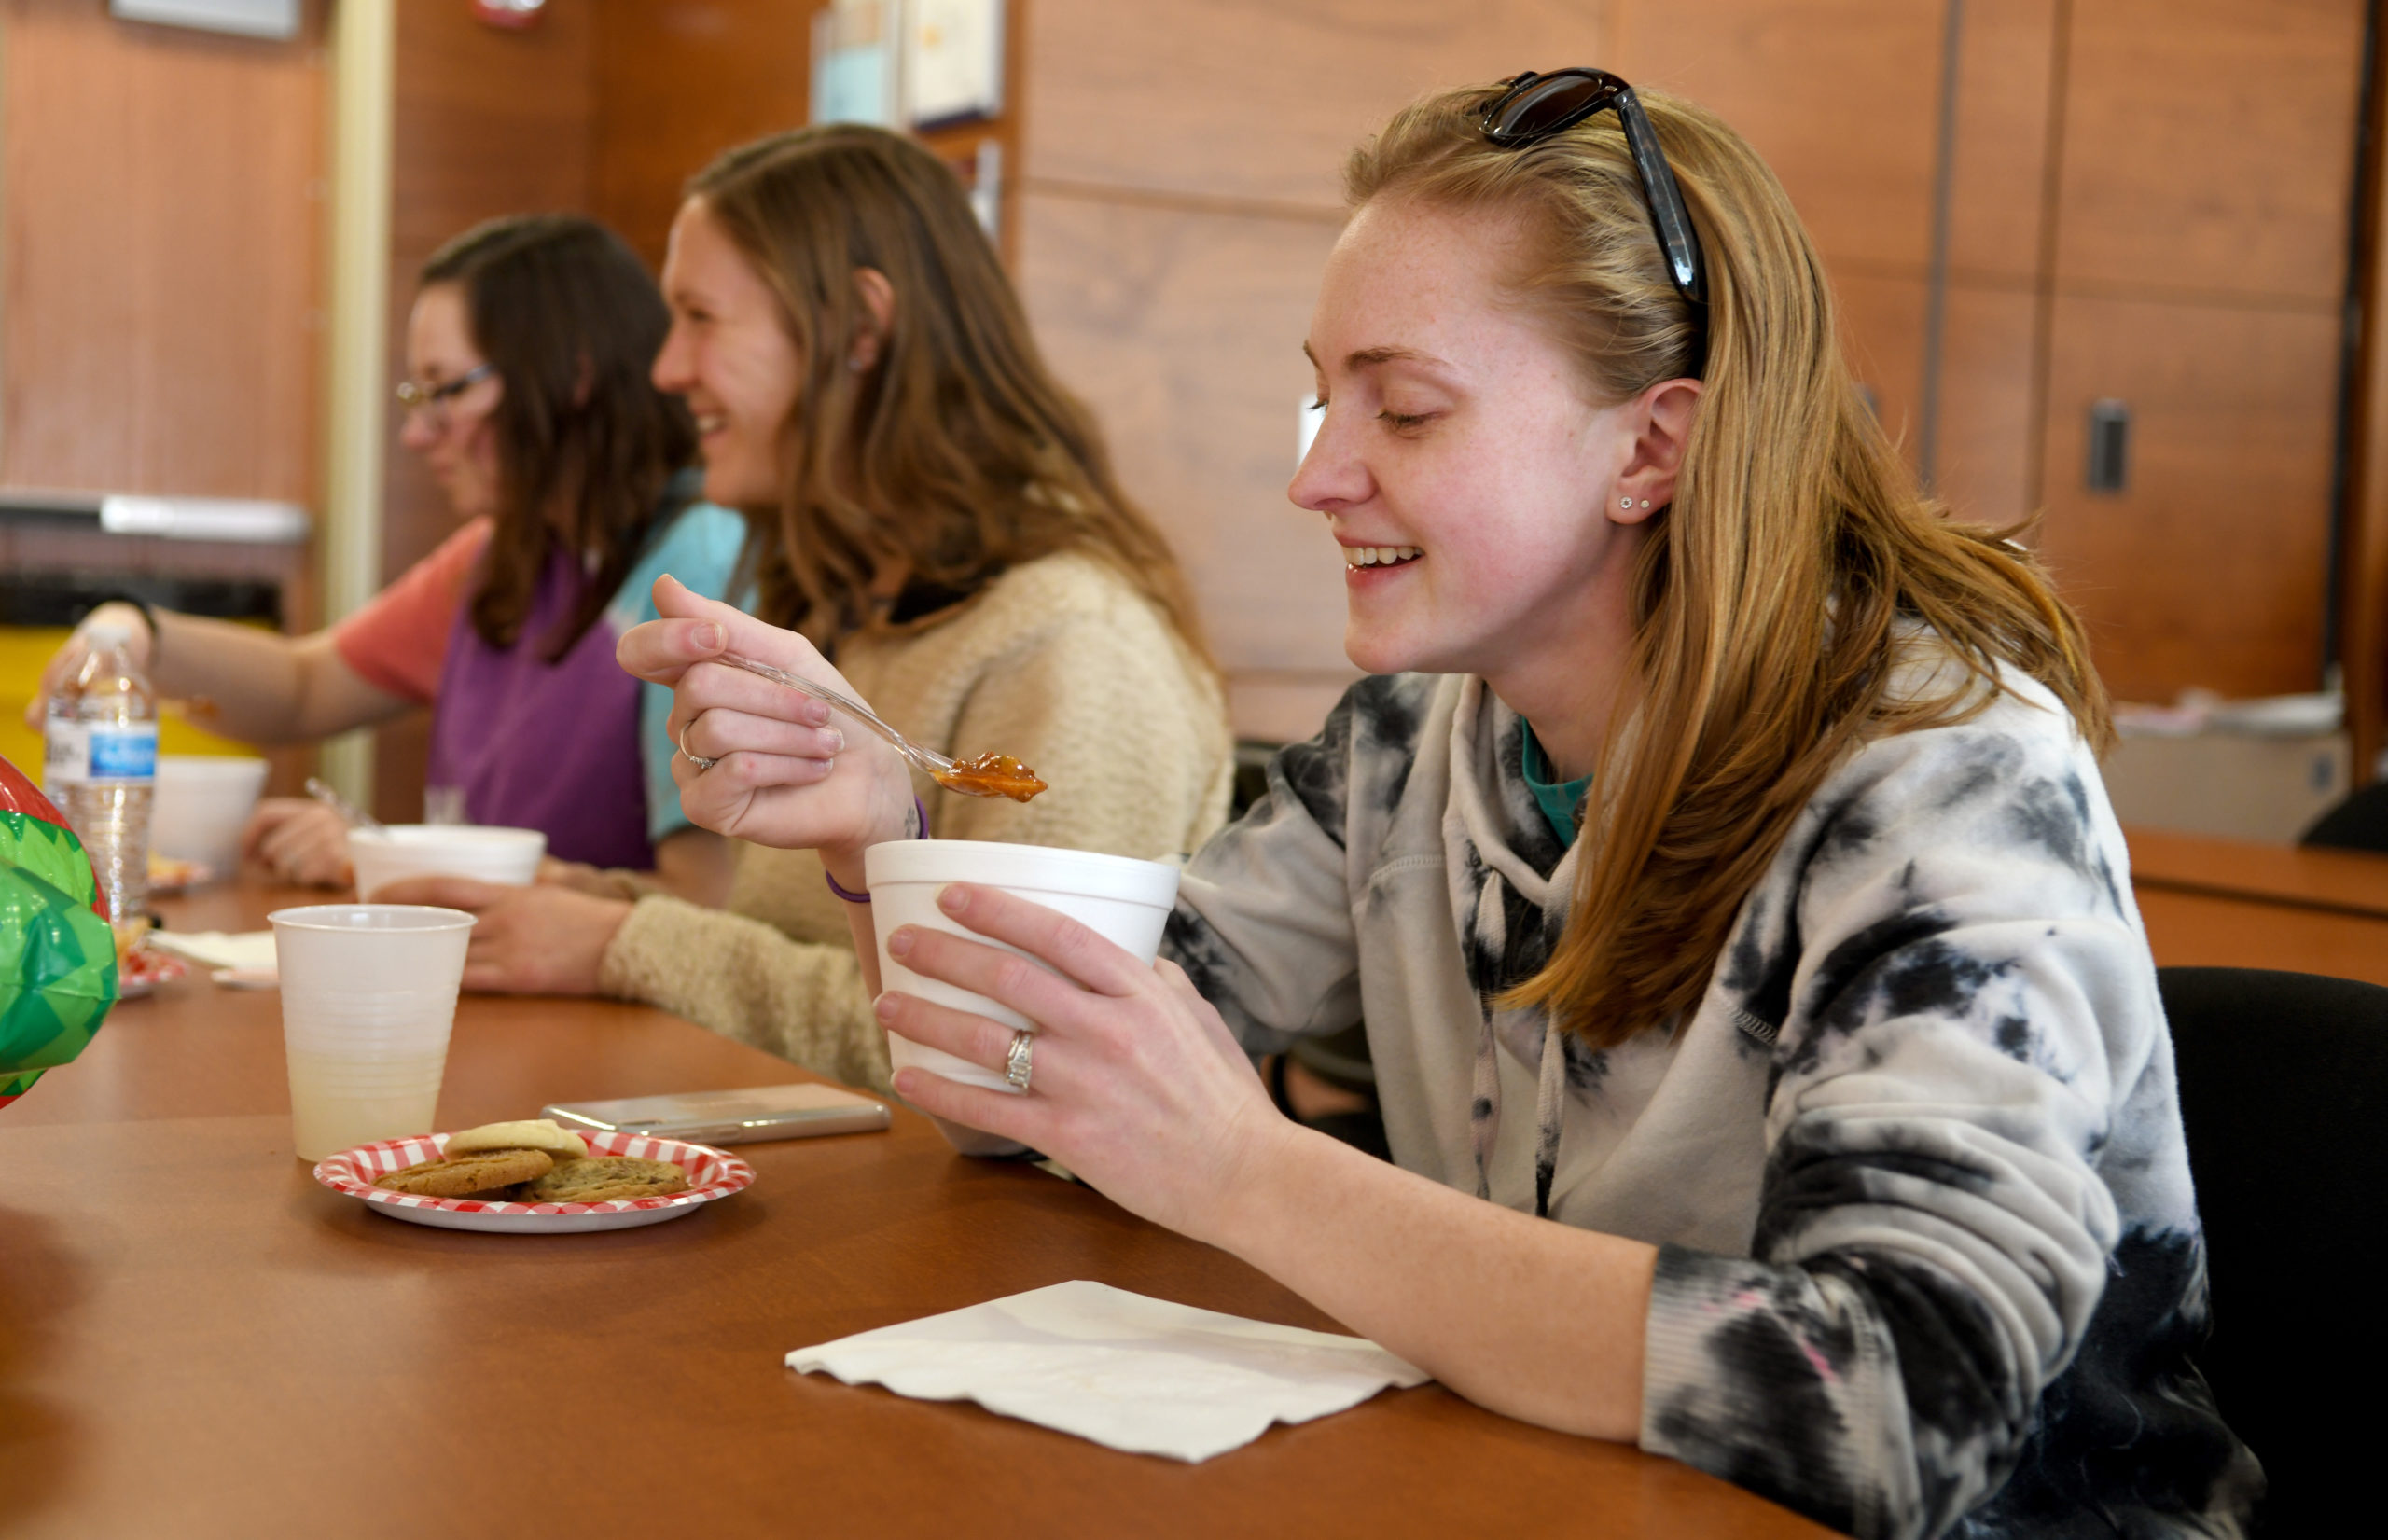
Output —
(2284, 1096)
(2359, 822)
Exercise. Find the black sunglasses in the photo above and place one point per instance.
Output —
(1535, 107)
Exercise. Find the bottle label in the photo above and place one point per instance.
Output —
(80, 754)
(66, 754)
(125, 752)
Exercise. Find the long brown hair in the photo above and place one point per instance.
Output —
(956, 455)
(562, 310)
(1770, 602)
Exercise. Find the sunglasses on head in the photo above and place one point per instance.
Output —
(1533, 107)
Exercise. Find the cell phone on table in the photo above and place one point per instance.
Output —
(729, 1116)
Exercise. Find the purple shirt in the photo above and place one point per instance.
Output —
(540, 745)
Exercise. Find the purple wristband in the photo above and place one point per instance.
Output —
(921, 811)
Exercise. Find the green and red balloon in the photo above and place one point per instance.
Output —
(57, 950)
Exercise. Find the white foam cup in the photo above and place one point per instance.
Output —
(369, 996)
(510, 857)
(1125, 901)
(202, 803)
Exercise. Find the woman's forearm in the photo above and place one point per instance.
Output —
(260, 686)
(1527, 1317)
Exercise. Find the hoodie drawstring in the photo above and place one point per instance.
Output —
(1550, 1081)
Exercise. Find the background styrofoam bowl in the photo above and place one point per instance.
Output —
(510, 857)
(202, 803)
(1126, 901)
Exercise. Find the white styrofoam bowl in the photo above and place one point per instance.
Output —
(1126, 901)
(202, 803)
(510, 857)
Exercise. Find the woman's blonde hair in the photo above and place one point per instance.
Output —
(956, 455)
(1770, 600)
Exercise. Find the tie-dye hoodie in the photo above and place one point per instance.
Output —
(1930, 1263)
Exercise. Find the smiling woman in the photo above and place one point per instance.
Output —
(1769, 1049)
(936, 527)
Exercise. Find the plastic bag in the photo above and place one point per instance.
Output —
(58, 965)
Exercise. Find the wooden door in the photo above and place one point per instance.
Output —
(2209, 568)
(2199, 270)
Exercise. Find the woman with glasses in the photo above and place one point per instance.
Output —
(1769, 1046)
(528, 399)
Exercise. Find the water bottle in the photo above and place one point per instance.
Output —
(100, 766)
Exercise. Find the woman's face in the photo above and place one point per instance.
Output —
(1469, 480)
(730, 358)
(457, 436)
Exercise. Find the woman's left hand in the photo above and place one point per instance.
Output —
(535, 941)
(1135, 1083)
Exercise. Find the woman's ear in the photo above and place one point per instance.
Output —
(877, 297)
(1662, 418)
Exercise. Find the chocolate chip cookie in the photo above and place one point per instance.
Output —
(602, 1179)
(466, 1175)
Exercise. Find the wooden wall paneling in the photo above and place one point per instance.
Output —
(2210, 145)
(1999, 168)
(1261, 99)
(2209, 569)
(2363, 592)
(1182, 329)
(679, 81)
(1841, 97)
(1842, 100)
(1989, 402)
(488, 121)
(163, 255)
(1999, 160)
(1881, 328)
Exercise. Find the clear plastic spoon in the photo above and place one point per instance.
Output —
(982, 775)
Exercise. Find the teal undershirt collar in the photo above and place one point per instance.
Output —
(1558, 799)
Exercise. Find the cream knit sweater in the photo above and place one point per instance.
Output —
(1059, 662)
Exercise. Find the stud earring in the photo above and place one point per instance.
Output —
(1625, 502)
(1645, 502)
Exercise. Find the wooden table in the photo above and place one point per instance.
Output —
(197, 1339)
(2230, 903)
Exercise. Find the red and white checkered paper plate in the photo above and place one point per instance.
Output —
(712, 1173)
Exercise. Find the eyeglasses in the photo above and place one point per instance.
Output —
(1535, 107)
(433, 399)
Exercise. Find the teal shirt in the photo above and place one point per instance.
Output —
(700, 549)
(1558, 799)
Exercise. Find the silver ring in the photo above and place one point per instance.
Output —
(1016, 1065)
(703, 764)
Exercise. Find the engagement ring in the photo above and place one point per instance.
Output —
(701, 763)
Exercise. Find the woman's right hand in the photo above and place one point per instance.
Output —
(299, 839)
(782, 773)
(65, 664)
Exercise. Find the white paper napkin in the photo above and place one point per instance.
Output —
(1138, 1374)
(251, 952)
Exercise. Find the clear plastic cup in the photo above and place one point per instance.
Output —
(1126, 901)
(369, 996)
(508, 857)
